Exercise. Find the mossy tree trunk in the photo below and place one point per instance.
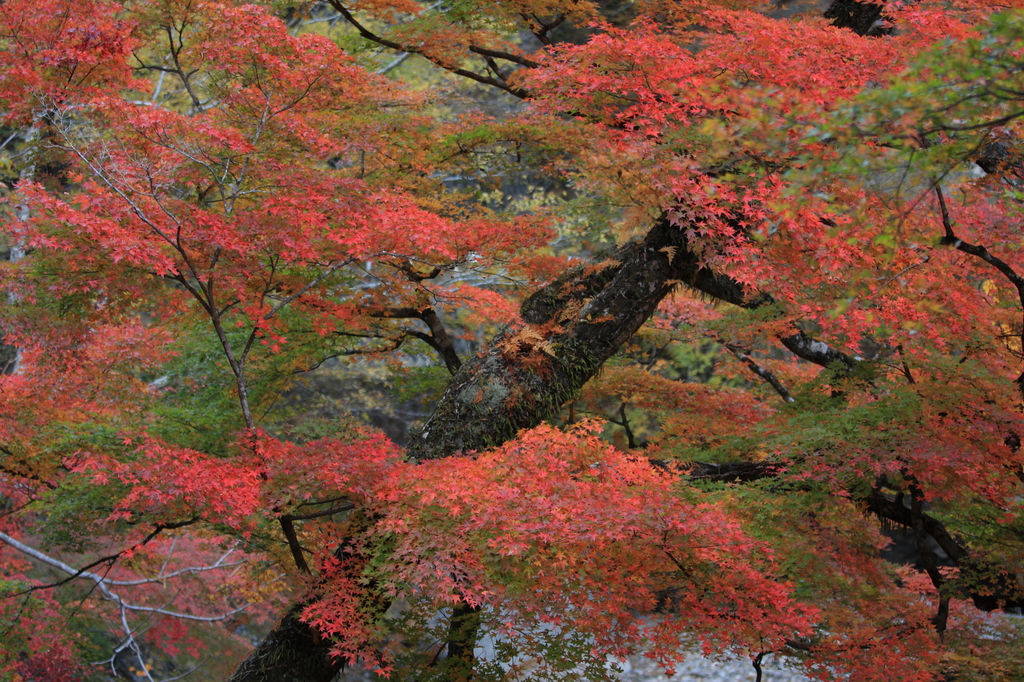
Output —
(568, 330)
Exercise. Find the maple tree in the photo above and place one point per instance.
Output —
(210, 198)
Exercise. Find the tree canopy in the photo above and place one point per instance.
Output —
(715, 300)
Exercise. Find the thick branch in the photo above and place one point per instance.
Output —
(442, 344)
(817, 352)
(463, 630)
(437, 339)
(344, 507)
(293, 544)
(863, 18)
(570, 328)
(927, 558)
(582, 318)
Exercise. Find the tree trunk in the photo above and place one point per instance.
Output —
(292, 652)
(569, 329)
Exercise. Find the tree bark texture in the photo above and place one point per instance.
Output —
(569, 329)
(292, 652)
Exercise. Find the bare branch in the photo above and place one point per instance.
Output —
(309, 285)
(110, 559)
(398, 47)
(103, 584)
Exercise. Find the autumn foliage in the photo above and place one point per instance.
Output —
(207, 200)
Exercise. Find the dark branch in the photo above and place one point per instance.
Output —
(770, 378)
(630, 438)
(293, 544)
(949, 238)
(437, 339)
(541, 29)
(463, 630)
(927, 558)
(111, 558)
(392, 345)
(348, 506)
(380, 40)
(989, 587)
(817, 352)
(730, 472)
(507, 56)
(530, 371)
